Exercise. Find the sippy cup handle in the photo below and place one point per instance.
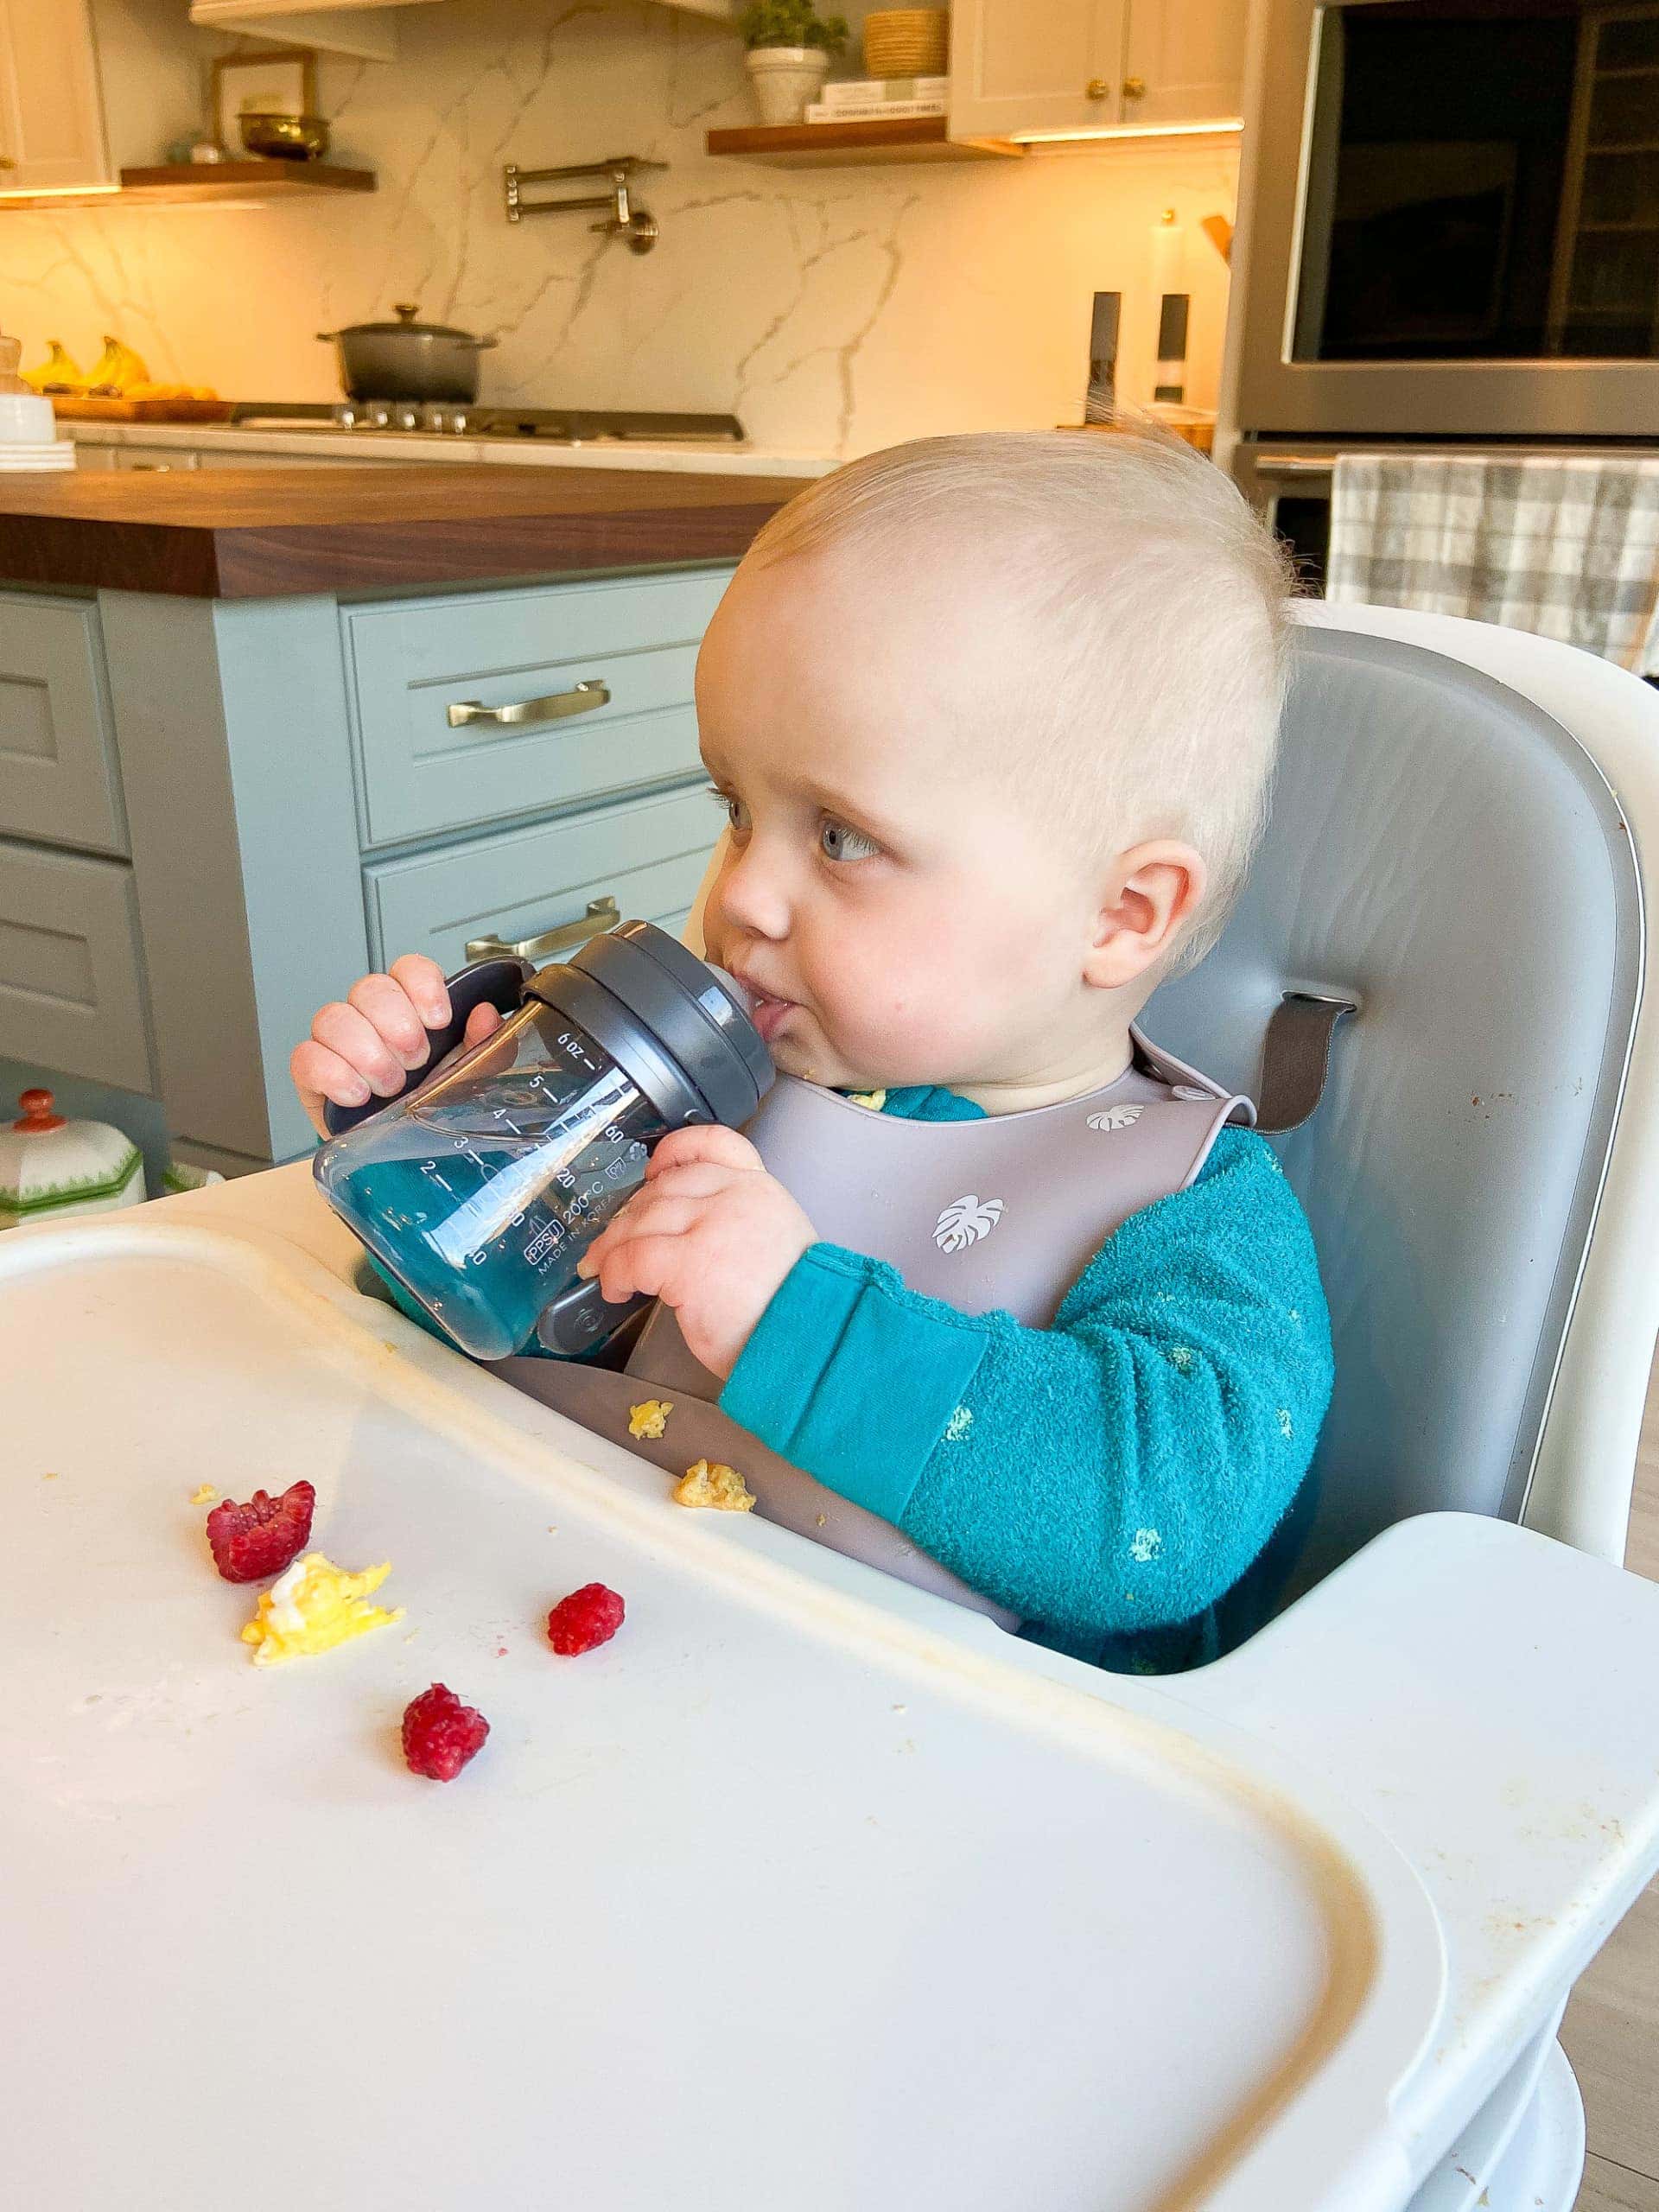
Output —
(500, 983)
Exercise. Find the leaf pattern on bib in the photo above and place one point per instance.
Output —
(965, 1220)
(1117, 1117)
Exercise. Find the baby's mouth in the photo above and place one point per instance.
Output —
(769, 1014)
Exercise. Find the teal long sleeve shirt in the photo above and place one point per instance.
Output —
(1126, 1480)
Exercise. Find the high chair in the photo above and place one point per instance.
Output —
(1464, 844)
(815, 1889)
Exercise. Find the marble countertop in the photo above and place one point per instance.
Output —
(689, 456)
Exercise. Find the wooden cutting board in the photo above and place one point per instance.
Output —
(70, 407)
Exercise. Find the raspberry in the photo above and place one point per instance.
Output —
(584, 1620)
(441, 1733)
(263, 1537)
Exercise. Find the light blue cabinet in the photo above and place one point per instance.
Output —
(300, 802)
(645, 856)
(469, 711)
(58, 776)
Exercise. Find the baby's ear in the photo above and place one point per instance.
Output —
(1152, 892)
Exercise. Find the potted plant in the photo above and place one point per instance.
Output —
(791, 47)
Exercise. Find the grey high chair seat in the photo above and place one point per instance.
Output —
(1450, 850)
(1461, 845)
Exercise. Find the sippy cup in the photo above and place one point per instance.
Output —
(482, 1190)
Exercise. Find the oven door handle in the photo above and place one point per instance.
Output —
(1272, 468)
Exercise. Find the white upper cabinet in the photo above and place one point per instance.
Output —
(1189, 55)
(1035, 65)
(364, 28)
(1060, 67)
(52, 134)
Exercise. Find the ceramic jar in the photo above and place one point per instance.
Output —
(51, 1167)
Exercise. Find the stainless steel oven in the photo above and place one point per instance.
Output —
(1449, 223)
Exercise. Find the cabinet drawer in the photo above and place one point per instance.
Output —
(647, 854)
(72, 994)
(58, 777)
(636, 638)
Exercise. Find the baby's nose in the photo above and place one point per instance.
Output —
(751, 895)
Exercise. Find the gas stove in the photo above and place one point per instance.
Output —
(558, 425)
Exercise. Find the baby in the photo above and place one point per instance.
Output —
(992, 719)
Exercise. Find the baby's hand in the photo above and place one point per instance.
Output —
(366, 1045)
(711, 1234)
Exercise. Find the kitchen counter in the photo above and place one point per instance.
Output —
(262, 533)
(100, 443)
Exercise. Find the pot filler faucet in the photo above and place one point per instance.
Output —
(625, 220)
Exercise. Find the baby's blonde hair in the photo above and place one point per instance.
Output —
(1150, 605)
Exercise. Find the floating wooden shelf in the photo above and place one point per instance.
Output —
(836, 145)
(185, 181)
(241, 179)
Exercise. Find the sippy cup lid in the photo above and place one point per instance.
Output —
(681, 1025)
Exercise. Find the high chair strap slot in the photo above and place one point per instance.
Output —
(1296, 1058)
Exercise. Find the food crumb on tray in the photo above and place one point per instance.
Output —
(204, 1496)
(651, 1418)
(313, 1607)
(715, 1484)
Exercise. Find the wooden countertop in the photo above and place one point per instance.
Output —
(251, 533)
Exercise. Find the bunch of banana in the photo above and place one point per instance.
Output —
(118, 373)
(116, 370)
(58, 371)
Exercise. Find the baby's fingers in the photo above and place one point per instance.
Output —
(423, 981)
(639, 1265)
(711, 1141)
(390, 1011)
(645, 1216)
(318, 1074)
(344, 1030)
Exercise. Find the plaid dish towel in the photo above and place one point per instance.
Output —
(1566, 547)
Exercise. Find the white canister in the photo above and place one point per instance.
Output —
(51, 1167)
(26, 419)
(785, 78)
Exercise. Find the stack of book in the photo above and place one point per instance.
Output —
(874, 99)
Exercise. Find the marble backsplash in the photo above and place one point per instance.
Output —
(834, 310)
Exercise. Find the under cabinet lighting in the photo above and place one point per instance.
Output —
(1126, 130)
(59, 191)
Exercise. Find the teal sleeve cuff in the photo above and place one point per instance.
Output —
(853, 1377)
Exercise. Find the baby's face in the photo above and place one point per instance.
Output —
(905, 919)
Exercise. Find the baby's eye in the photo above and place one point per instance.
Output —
(839, 842)
(737, 815)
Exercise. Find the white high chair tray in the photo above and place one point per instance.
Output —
(780, 1899)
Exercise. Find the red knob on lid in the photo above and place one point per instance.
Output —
(38, 1117)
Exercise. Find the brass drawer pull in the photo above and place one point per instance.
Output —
(602, 915)
(586, 696)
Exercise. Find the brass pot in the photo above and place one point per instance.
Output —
(285, 138)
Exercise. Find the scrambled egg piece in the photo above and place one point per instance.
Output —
(649, 1419)
(875, 1100)
(718, 1485)
(205, 1495)
(314, 1607)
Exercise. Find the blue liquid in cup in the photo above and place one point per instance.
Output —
(482, 1199)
